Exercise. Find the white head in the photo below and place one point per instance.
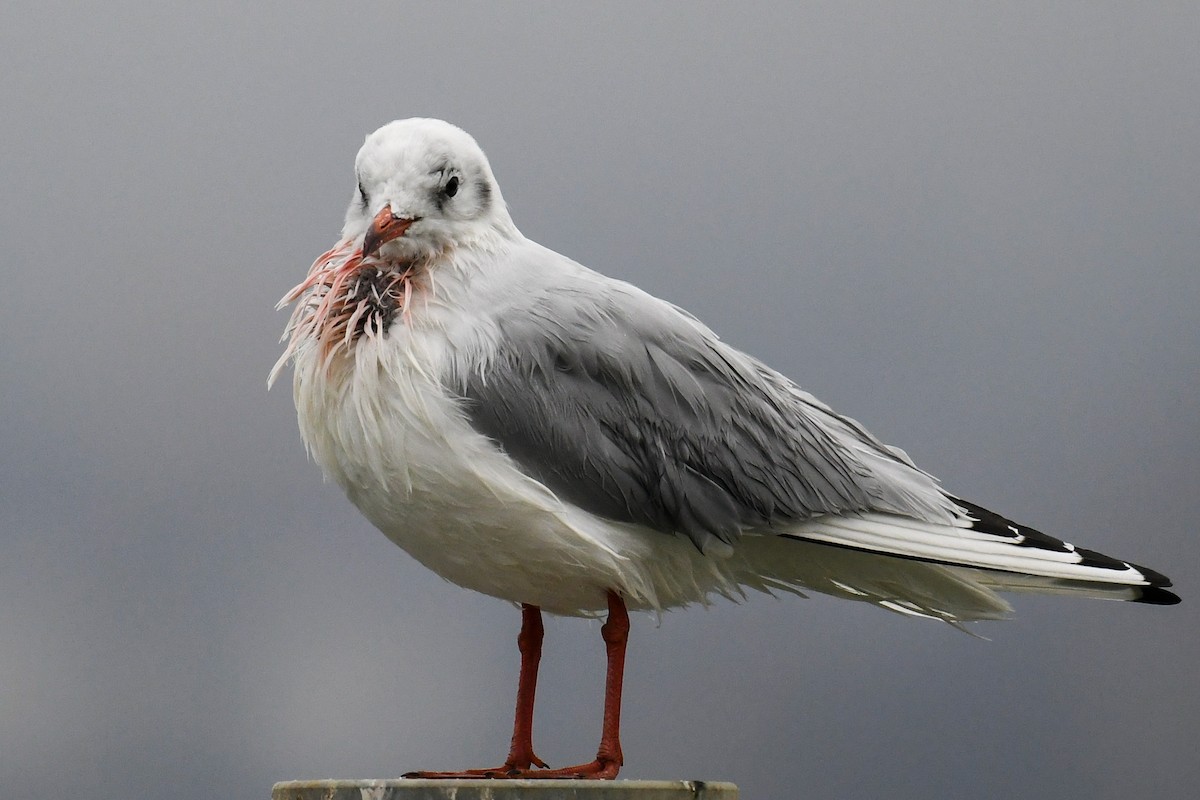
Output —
(424, 187)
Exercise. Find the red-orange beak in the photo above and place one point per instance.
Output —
(384, 228)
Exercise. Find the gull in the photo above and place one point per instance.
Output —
(535, 431)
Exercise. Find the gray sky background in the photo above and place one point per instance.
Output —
(974, 227)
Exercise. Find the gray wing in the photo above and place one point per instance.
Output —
(625, 406)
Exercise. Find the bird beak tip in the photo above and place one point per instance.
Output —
(384, 228)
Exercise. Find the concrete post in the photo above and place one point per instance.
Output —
(416, 789)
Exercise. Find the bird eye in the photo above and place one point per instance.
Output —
(451, 187)
(362, 194)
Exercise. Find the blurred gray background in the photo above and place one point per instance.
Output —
(974, 227)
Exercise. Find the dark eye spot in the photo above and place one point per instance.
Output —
(483, 191)
(451, 187)
(362, 195)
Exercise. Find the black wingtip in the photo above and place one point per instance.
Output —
(1090, 558)
(1153, 576)
(1158, 596)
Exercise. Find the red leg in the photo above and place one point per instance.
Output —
(521, 758)
(520, 753)
(529, 642)
(609, 758)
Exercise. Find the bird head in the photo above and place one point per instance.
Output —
(424, 190)
(423, 187)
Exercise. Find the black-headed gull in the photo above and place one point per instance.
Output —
(536, 431)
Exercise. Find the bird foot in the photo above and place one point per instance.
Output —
(517, 763)
(600, 769)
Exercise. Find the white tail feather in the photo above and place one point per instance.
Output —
(960, 545)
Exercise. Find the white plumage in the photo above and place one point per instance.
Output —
(532, 430)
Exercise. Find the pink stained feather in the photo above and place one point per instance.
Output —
(341, 298)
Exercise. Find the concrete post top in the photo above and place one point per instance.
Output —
(483, 789)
